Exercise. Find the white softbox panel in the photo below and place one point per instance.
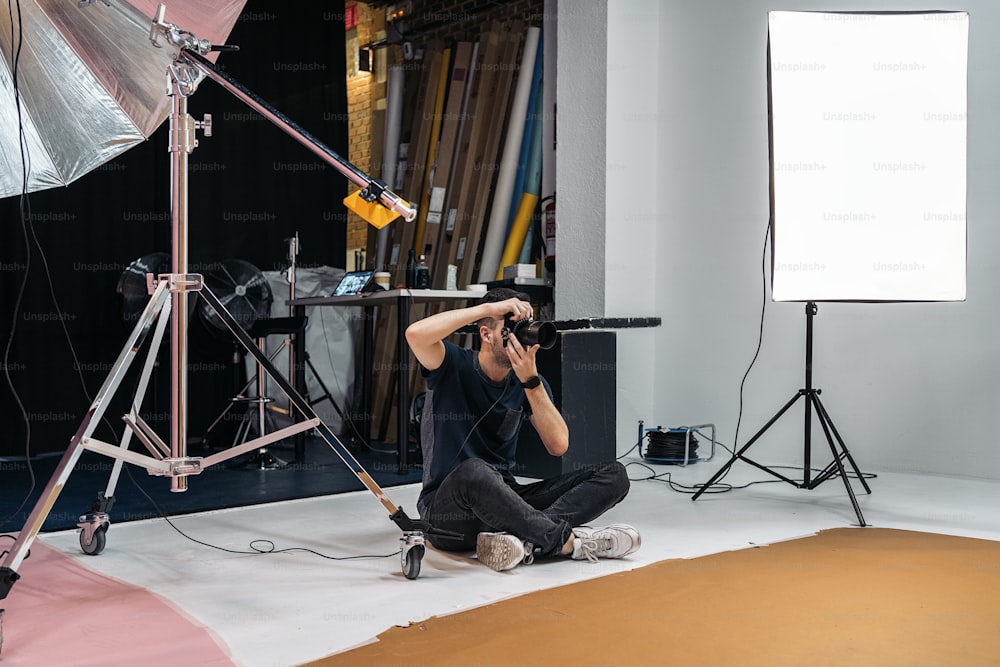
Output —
(868, 155)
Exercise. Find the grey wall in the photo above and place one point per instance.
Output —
(581, 161)
(911, 387)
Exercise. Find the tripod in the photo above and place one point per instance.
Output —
(169, 305)
(839, 451)
(298, 349)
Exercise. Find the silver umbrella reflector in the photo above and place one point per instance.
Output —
(91, 83)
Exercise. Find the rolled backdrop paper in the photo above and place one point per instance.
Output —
(517, 246)
(524, 155)
(518, 232)
(548, 116)
(496, 230)
(533, 173)
(390, 151)
(425, 192)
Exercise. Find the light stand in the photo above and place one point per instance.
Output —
(293, 258)
(241, 397)
(172, 460)
(839, 451)
(297, 350)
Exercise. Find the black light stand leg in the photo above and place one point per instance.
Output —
(811, 395)
(739, 454)
(206, 437)
(298, 377)
(298, 345)
(403, 384)
(264, 459)
(239, 397)
(327, 396)
(367, 361)
(826, 474)
(827, 425)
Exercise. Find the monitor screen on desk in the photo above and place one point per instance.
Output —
(353, 283)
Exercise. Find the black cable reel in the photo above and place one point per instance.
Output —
(670, 446)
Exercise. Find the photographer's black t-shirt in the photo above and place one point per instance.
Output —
(467, 415)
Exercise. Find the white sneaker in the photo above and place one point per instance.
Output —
(503, 551)
(612, 541)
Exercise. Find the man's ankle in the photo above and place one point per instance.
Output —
(567, 549)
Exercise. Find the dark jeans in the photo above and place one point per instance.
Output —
(475, 498)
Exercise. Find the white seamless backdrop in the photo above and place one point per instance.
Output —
(912, 387)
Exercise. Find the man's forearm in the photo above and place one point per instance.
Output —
(548, 421)
(439, 326)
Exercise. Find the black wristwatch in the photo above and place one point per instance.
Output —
(532, 382)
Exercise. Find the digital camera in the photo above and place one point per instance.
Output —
(529, 332)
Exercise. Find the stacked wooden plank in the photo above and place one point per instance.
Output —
(420, 89)
(458, 104)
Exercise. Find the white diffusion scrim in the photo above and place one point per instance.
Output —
(868, 155)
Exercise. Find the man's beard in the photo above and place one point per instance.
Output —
(500, 353)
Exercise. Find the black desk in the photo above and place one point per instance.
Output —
(401, 299)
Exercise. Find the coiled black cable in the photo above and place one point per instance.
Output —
(669, 446)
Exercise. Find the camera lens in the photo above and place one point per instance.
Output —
(542, 334)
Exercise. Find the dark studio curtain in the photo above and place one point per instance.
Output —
(251, 187)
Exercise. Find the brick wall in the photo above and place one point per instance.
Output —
(362, 91)
(442, 20)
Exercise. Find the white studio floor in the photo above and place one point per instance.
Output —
(290, 608)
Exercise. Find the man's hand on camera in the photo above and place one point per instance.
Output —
(517, 309)
(522, 359)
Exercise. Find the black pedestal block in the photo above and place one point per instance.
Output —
(581, 368)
